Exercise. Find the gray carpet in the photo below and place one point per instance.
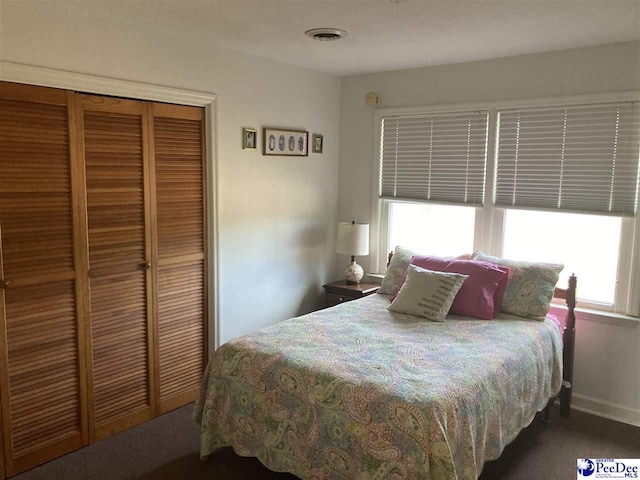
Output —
(167, 448)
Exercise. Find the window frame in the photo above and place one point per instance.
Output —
(489, 221)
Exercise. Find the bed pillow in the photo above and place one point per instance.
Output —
(481, 294)
(397, 270)
(427, 293)
(394, 278)
(530, 287)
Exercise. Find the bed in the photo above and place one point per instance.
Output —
(357, 391)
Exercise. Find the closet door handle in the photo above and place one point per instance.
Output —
(146, 265)
(4, 284)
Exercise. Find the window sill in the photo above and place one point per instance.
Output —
(599, 316)
(375, 277)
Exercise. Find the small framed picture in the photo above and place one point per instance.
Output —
(316, 145)
(277, 141)
(249, 138)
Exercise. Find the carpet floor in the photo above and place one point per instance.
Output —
(167, 448)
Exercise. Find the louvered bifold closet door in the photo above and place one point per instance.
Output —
(178, 134)
(121, 383)
(42, 379)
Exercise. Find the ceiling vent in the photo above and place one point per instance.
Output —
(325, 34)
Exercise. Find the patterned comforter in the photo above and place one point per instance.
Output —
(358, 392)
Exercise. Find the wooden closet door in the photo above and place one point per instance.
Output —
(41, 340)
(179, 210)
(121, 384)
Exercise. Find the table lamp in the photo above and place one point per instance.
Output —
(353, 239)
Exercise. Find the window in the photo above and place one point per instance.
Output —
(593, 254)
(561, 186)
(418, 226)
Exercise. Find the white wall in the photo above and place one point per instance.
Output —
(607, 371)
(276, 215)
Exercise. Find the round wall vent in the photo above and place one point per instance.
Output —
(325, 34)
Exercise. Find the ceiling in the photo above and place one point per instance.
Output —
(382, 34)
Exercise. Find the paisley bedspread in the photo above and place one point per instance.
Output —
(358, 392)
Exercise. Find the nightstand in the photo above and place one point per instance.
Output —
(340, 292)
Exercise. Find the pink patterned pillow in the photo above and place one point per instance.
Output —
(481, 293)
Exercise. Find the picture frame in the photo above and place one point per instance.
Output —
(316, 143)
(249, 138)
(285, 142)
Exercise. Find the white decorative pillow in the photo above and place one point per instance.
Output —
(530, 287)
(427, 293)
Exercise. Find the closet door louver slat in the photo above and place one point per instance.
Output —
(42, 403)
(114, 162)
(181, 252)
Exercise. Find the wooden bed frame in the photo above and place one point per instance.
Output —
(568, 346)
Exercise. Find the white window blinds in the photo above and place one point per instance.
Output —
(440, 158)
(576, 158)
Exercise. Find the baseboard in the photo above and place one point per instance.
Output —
(608, 410)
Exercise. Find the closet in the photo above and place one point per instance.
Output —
(103, 267)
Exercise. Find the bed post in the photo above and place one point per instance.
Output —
(568, 349)
(569, 340)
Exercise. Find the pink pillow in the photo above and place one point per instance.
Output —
(481, 294)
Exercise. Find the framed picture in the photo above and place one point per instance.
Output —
(316, 145)
(249, 138)
(285, 142)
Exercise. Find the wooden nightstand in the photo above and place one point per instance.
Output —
(339, 292)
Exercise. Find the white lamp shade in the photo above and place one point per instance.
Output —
(353, 238)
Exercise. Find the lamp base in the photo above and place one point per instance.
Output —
(353, 273)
